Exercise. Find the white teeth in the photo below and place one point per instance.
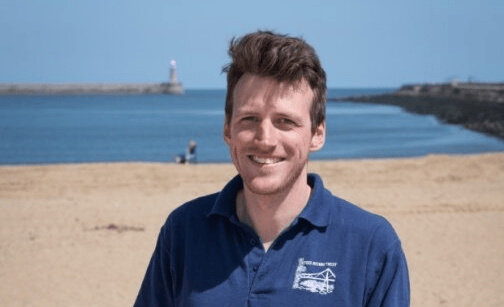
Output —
(265, 160)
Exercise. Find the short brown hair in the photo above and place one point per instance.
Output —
(284, 58)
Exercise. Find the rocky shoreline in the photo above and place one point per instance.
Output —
(476, 106)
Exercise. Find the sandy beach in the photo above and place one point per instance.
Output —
(82, 234)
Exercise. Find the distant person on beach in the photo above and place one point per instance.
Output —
(189, 156)
(274, 236)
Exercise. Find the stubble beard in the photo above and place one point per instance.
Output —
(289, 183)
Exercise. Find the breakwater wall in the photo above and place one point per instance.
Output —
(90, 88)
(476, 106)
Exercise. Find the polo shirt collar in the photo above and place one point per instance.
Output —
(225, 203)
(316, 211)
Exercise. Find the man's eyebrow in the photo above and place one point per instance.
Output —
(288, 115)
(245, 112)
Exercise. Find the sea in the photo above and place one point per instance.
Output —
(157, 128)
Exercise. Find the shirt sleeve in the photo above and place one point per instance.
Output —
(156, 289)
(388, 278)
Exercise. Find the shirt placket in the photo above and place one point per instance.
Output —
(254, 260)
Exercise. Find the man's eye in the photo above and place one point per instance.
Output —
(250, 119)
(286, 121)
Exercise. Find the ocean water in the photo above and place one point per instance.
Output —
(69, 129)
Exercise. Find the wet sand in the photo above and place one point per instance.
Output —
(82, 234)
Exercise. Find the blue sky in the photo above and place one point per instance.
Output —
(361, 43)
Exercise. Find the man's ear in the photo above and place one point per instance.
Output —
(227, 133)
(318, 137)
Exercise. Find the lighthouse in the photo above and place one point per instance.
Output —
(173, 86)
(173, 71)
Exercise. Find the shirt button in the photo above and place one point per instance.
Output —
(255, 268)
(252, 241)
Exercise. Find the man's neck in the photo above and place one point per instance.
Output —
(269, 215)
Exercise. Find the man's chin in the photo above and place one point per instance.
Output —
(264, 186)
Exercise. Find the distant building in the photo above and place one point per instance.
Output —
(173, 86)
(173, 71)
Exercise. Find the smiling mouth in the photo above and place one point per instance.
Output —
(265, 160)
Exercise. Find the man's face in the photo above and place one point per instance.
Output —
(269, 134)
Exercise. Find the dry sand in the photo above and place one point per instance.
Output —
(82, 234)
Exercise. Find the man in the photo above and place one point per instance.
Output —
(274, 236)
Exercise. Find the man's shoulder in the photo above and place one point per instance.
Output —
(342, 211)
(351, 218)
(358, 215)
(197, 207)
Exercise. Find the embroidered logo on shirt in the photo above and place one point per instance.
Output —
(314, 276)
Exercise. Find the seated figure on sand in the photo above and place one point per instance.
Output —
(189, 156)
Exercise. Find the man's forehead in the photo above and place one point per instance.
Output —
(250, 86)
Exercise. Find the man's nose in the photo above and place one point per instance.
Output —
(266, 134)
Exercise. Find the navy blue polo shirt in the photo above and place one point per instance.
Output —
(333, 254)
